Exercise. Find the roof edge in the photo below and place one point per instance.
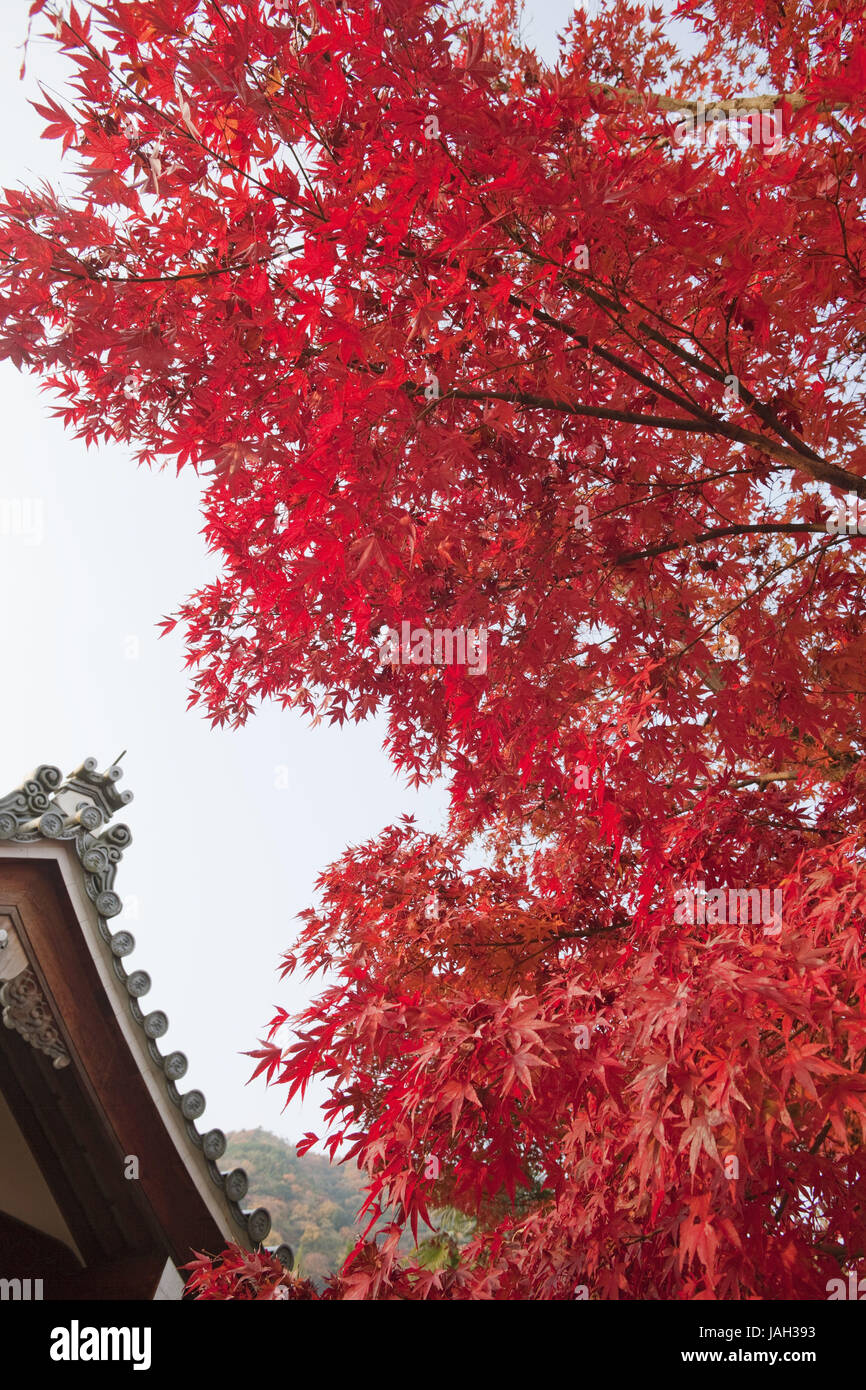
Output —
(77, 810)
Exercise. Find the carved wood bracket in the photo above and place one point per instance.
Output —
(25, 1009)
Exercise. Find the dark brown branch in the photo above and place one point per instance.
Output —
(717, 532)
(528, 401)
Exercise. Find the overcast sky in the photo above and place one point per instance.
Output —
(222, 858)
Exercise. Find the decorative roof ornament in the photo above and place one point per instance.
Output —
(98, 789)
(26, 1010)
(77, 809)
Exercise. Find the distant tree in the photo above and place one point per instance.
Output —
(452, 1230)
(532, 360)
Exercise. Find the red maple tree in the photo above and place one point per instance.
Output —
(561, 364)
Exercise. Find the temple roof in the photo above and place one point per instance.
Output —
(79, 811)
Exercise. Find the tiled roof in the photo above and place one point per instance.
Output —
(77, 809)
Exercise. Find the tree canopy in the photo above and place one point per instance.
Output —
(563, 363)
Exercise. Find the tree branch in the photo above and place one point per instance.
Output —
(717, 532)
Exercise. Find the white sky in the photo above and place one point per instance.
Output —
(222, 860)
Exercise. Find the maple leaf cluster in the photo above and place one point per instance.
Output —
(468, 343)
(254, 1276)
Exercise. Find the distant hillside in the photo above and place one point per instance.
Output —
(313, 1203)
